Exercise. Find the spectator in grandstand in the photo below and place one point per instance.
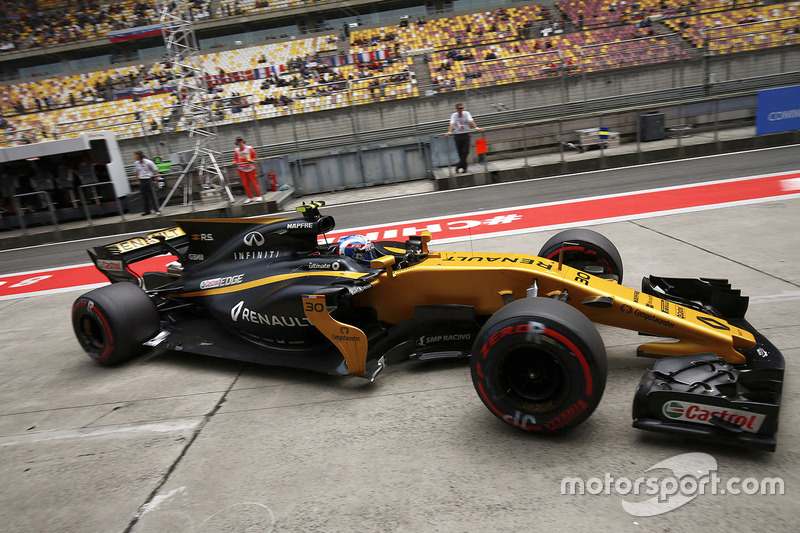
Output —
(244, 156)
(145, 169)
(460, 121)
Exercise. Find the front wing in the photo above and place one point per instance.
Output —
(701, 395)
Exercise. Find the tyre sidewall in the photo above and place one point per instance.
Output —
(595, 248)
(584, 372)
(123, 317)
(86, 307)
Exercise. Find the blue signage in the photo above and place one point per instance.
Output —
(778, 110)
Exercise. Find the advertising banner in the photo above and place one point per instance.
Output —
(778, 110)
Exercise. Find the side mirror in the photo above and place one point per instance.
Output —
(425, 237)
(384, 262)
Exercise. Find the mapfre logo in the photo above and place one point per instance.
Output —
(254, 238)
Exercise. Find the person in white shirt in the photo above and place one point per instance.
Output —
(460, 123)
(145, 170)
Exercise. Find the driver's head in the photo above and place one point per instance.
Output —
(358, 247)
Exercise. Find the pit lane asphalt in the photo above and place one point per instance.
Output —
(425, 205)
(179, 443)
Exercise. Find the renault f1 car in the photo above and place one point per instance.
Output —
(273, 291)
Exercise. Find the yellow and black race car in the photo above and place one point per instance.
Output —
(272, 291)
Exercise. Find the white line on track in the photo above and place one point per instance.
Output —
(417, 195)
(603, 170)
(69, 267)
(519, 231)
(769, 298)
(183, 425)
(52, 291)
(592, 222)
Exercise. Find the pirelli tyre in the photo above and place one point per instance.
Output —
(539, 365)
(112, 322)
(585, 250)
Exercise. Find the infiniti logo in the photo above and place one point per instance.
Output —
(254, 239)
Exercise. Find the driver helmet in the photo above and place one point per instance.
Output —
(358, 247)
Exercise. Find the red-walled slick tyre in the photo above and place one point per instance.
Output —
(586, 250)
(112, 322)
(539, 365)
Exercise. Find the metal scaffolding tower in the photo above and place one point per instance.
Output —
(191, 91)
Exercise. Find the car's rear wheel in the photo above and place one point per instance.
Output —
(585, 250)
(539, 365)
(112, 322)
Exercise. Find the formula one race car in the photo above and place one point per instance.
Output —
(273, 291)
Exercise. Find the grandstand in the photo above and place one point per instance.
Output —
(742, 30)
(530, 59)
(590, 14)
(27, 25)
(464, 51)
(409, 60)
(449, 32)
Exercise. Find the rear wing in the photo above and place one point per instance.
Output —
(114, 259)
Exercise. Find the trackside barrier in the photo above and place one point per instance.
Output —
(96, 198)
(47, 201)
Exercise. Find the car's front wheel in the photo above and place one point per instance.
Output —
(539, 365)
(585, 250)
